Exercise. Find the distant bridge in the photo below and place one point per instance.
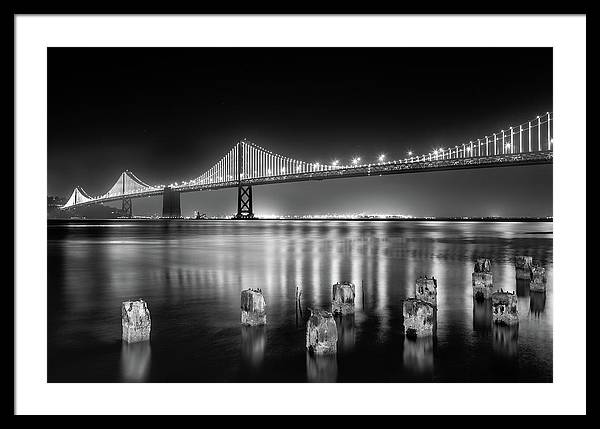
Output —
(248, 164)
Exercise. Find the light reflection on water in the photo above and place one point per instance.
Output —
(321, 368)
(191, 274)
(418, 355)
(135, 361)
(254, 339)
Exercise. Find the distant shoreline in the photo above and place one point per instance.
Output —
(413, 219)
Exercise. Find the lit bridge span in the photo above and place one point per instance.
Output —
(248, 164)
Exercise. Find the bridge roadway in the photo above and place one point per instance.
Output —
(380, 169)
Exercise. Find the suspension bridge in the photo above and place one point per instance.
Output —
(247, 165)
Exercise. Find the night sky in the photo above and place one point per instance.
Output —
(168, 114)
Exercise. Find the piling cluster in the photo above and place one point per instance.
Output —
(420, 312)
(321, 327)
(503, 304)
(482, 279)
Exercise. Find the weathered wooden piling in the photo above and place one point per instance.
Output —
(482, 279)
(135, 321)
(523, 267)
(426, 289)
(253, 307)
(343, 295)
(321, 333)
(419, 318)
(504, 308)
(538, 279)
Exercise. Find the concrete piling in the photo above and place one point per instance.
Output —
(523, 267)
(504, 308)
(419, 318)
(135, 321)
(538, 279)
(321, 333)
(426, 290)
(253, 307)
(343, 295)
(482, 279)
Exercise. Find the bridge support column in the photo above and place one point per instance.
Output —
(127, 207)
(171, 203)
(244, 203)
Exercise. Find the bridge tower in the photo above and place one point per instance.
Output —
(244, 210)
(126, 207)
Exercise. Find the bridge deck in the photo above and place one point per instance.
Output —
(397, 167)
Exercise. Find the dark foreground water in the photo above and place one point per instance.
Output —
(191, 274)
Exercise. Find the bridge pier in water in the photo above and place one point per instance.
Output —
(127, 208)
(171, 203)
(244, 210)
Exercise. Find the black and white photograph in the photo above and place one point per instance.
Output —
(263, 216)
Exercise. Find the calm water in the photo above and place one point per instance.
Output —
(191, 274)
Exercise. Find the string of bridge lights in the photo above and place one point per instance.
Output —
(494, 144)
(257, 162)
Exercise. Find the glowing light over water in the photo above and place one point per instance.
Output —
(191, 274)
